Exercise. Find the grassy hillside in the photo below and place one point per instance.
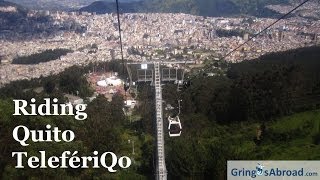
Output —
(263, 109)
(298, 137)
(206, 147)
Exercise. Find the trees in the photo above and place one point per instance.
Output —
(44, 56)
(49, 86)
(230, 33)
(271, 86)
(219, 116)
(73, 81)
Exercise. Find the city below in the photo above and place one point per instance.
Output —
(160, 89)
(146, 37)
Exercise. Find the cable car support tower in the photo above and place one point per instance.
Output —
(161, 171)
(156, 77)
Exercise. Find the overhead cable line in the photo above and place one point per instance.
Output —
(119, 28)
(255, 35)
(125, 66)
(266, 28)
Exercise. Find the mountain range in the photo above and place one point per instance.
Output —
(62, 5)
(196, 7)
(11, 11)
(102, 7)
(226, 8)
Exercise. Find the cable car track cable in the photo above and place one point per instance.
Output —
(255, 35)
(125, 65)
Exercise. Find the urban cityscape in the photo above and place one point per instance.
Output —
(145, 37)
(160, 89)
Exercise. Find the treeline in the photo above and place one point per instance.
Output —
(45, 56)
(253, 112)
(239, 115)
(274, 85)
(71, 81)
(106, 128)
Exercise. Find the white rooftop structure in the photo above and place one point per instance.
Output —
(112, 81)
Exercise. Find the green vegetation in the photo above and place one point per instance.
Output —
(71, 81)
(230, 33)
(274, 85)
(44, 56)
(205, 146)
(263, 109)
(106, 129)
(254, 112)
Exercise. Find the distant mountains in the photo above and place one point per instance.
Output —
(61, 5)
(227, 8)
(196, 7)
(11, 12)
(15, 22)
(102, 7)
(6, 4)
(11, 15)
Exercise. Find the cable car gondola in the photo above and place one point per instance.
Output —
(174, 126)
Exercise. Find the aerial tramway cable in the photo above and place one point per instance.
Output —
(125, 65)
(254, 36)
(187, 83)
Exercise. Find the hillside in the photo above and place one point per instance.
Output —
(204, 148)
(203, 8)
(102, 7)
(61, 5)
(266, 109)
(263, 109)
(11, 9)
(11, 14)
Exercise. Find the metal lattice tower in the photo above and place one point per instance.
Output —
(146, 75)
(161, 171)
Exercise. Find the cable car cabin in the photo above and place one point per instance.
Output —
(174, 126)
(126, 86)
